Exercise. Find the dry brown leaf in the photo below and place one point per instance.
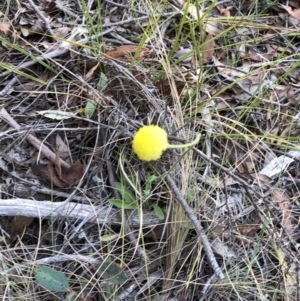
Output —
(291, 96)
(47, 174)
(294, 13)
(243, 157)
(64, 150)
(212, 27)
(61, 32)
(53, 177)
(164, 87)
(157, 233)
(48, 6)
(124, 50)
(19, 223)
(140, 76)
(89, 75)
(181, 2)
(234, 152)
(245, 165)
(263, 181)
(54, 174)
(208, 49)
(25, 32)
(250, 229)
(5, 27)
(257, 77)
(38, 27)
(58, 168)
(194, 12)
(260, 57)
(40, 171)
(294, 3)
(73, 175)
(230, 72)
(283, 201)
(225, 11)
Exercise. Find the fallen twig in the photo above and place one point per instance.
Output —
(45, 150)
(193, 218)
(44, 19)
(73, 211)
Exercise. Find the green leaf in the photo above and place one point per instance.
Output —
(109, 237)
(123, 204)
(57, 114)
(89, 109)
(158, 211)
(126, 193)
(128, 199)
(133, 180)
(112, 273)
(157, 297)
(149, 181)
(51, 279)
(8, 67)
(71, 297)
(102, 84)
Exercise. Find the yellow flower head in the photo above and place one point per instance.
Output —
(149, 142)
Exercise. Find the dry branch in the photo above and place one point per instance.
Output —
(33, 140)
(193, 218)
(73, 211)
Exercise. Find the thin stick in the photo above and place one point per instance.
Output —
(74, 212)
(44, 19)
(209, 253)
(45, 150)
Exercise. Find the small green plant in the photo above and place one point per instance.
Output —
(112, 273)
(54, 281)
(58, 282)
(129, 200)
(91, 105)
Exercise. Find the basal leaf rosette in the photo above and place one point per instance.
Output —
(151, 141)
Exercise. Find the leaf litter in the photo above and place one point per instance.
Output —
(230, 72)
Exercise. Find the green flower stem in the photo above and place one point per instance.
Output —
(187, 144)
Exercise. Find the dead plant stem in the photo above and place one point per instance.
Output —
(210, 255)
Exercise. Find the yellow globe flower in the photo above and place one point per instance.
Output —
(149, 142)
